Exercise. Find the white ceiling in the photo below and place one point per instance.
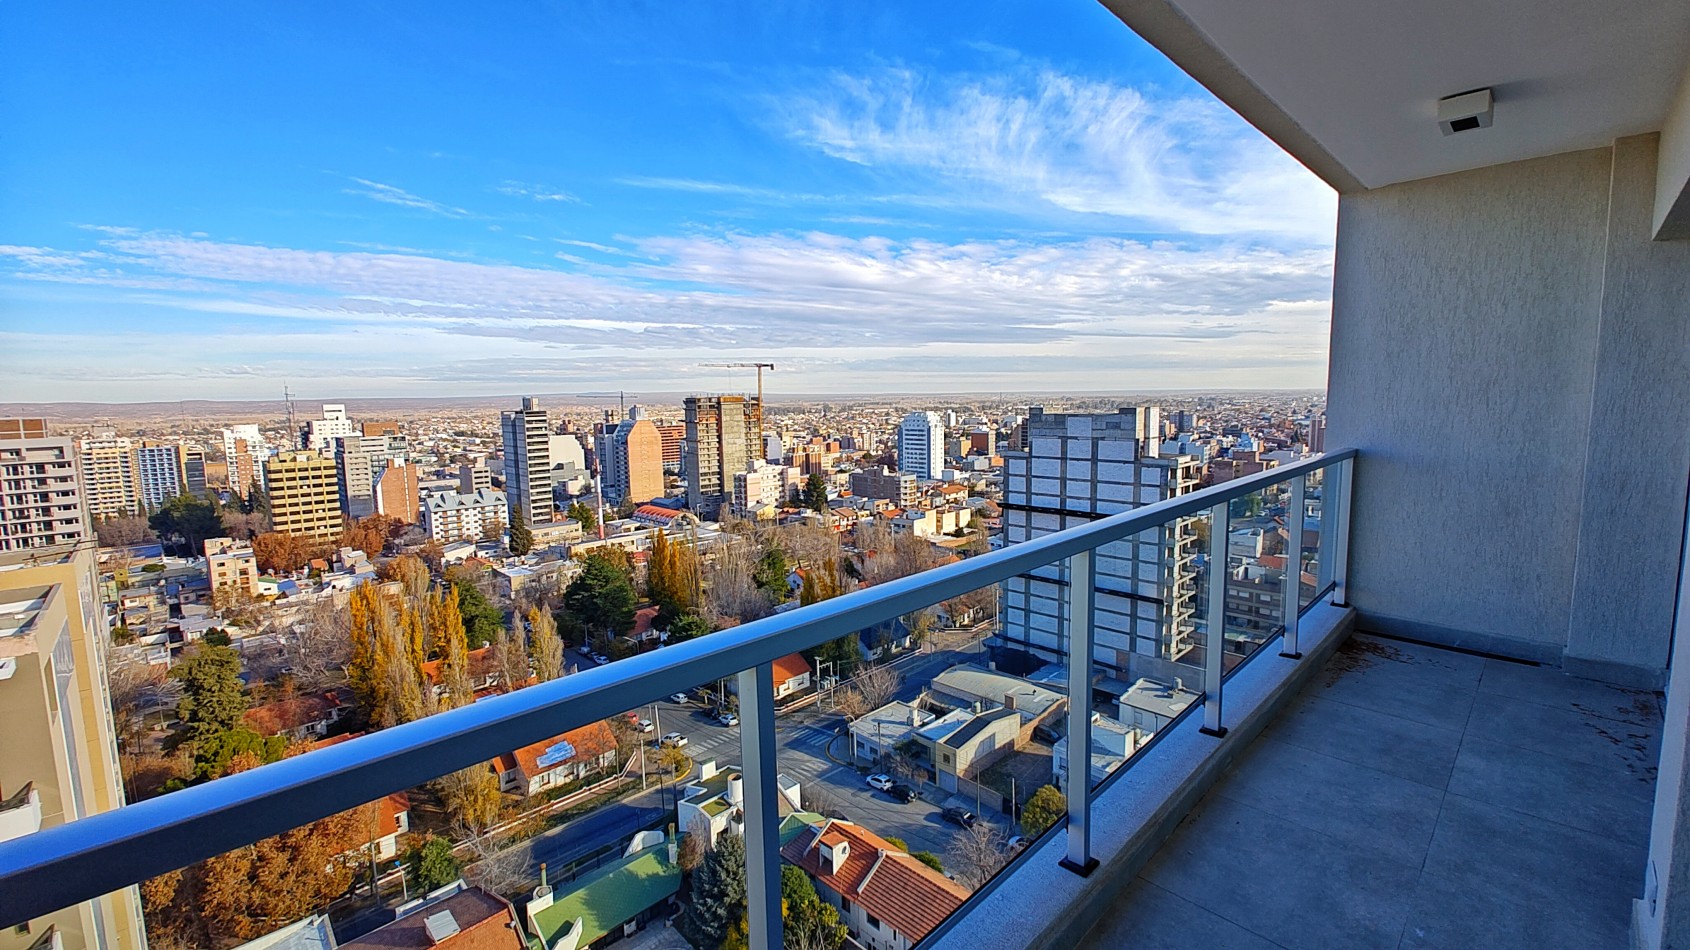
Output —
(1362, 77)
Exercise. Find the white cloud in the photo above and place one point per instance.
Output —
(864, 314)
(521, 189)
(394, 195)
(1085, 146)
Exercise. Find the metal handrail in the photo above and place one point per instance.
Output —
(60, 866)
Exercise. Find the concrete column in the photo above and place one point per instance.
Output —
(1661, 917)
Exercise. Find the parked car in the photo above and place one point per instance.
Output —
(960, 816)
(600, 659)
(728, 719)
(675, 739)
(586, 649)
(678, 698)
(644, 725)
(903, 793)
(881, 781)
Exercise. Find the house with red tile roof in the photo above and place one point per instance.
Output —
(456, 917)
(792, 675)
(887, 899)
(558, 760)
(298, 717)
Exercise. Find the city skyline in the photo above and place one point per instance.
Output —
(927, 201)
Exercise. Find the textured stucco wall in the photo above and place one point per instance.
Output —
(1637, 459)
(1464, 340)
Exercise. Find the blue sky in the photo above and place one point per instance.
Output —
(207, 200)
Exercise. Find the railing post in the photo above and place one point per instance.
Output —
(1340, 516)
(1292, 610)
(1220, 523)
(762, 814)
(1082, 580)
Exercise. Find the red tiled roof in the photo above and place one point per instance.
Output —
(392, 808)
(480, 664)
(484, 921)
(643, 619)
(908, 895)
(790, 666)
(287, 714)
(590, 741)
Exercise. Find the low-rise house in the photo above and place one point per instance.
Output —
(792, 675)
(712, 803)
(616, 899)
(559, 760)
(962, 744)
(299, 717)
(230, 563)
(977, 688)
(455, 917)
(483, 672)
(1112, 743)
(886, 899)
(1150, 704)
(877, 735)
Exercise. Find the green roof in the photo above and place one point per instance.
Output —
(611, 895)
(794, 824)
(715, 806)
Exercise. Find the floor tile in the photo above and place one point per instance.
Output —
(1449, 915)
(1603, 800)
(1492, 850)
(1146, 917)
(1549, 687)
(1360, 807)
(1394, 745)
(1290, 884)
(1568, 733)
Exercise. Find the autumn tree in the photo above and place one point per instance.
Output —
(369, 534)
(735, 592)
(251, 891)
(1046, 807)
(382, 670)
(672, 576)
(242, 525)
(510, 657)
(471, 796)
(503, 871)
(446, 629)
(545, 647)
(411, 573)
(279, 551)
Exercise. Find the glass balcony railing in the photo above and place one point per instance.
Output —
(903, 752)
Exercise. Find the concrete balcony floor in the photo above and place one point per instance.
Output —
(1414, 797)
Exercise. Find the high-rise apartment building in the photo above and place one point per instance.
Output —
(674, 435)
(359, 461)
(899, 488)
(304, 495)
(1077, 469)
(759, 489)
(160, 471)
(724, 436)
(397, 491)
(40, 490)
(633, 460)
(244, 452)
(59, 760)
(193, 470)
(111, 480)
(528, 465)
(319, 434)
(921, 445)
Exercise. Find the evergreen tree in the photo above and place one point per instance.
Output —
(809, 921)
(718, 894)
(432, 864)
(688, 627)
(212, 701)
(584, 514)
(188, 520)
(815, 493)
(1045, 808)
(772, 571)
(482, 620)
(602, 598)
(522, 539)
(545, 647)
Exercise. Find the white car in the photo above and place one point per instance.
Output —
(674, 739)
(585, 649)
(600, 659)
(728, 719)
(880, 781)
(678, 698)
(644, 725)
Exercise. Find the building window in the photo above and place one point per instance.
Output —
(873, 921)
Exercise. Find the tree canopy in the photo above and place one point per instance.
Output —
(521, 538)
(815, 493)
(583, 513)
(482, 620)
(718, 894)
(1045, 808)
(601, 598)
(189, 519)
(212, 700)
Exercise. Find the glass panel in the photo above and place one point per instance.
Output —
(1256, 564)
(1151, 629)
(1313, 499)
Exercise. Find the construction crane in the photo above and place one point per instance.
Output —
(758, 366)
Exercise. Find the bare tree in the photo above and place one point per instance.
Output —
(820, 799)
(850, 703)
(980, 851)
(510, 658)
(877, 684)
(504, 871)
(319, 644)
(123, 531)
(243, 525)
(733, 592)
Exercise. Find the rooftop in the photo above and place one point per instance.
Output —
(610, 895)
(483, 922)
